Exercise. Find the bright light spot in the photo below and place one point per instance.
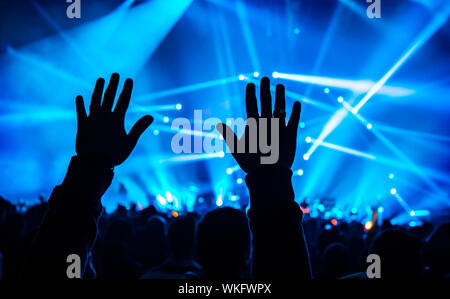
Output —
(255, 74)
(340, 99)
(306, 157)
(296, 31)
(393, 191)
(162, 201)
(302, 125)
(200, 200)
(221, 154)
(368, 225)
(155, 132)
(412, 213)
(275, 74)
(166, 119)
(354, 210)
(300, 172)
(369, 126)
(229, 170)
(234, 197)
(334, 222)
(178, 106)
(219, 202)
(321, 207)
(308, 140)
(328, 226)
(169, 196)
(174, 214)
(391, 176)
(354, 110)
(380, 209)
(241, 77)
(239, 181)
(326, 90)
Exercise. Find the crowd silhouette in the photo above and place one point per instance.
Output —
(270, 240)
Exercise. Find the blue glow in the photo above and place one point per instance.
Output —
(239, 181)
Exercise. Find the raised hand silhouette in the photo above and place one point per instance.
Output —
(103, 131)
(287, 134)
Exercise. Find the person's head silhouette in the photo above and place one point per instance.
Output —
(224, 243)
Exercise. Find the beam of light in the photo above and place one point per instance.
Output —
(66, 37)
(334, 121)
(230, 170)
(357, 86)
(326, 43)
(402, 202)
(43, 65)
(299, 97)
(193, 157)
(242, 15)
(436, 23)
(186, 89)
(151, 108)
(344, 149)
(412, 133)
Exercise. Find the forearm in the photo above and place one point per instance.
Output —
(70, 226)
(279, 247)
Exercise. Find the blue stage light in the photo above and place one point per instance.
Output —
(302, 125)
(255, 74)
(239, 181)
(340, 99)
(300, 172)
(229, 170)
(369, 126)
(178, 106)
(393, 191)
(166, 119)
(326, 90)
(156, 132)
(241, 77)
(391, 176)
(412, 213)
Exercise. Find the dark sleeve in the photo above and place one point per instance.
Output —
(70, 225)
(279, 247)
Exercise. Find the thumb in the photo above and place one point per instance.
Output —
(139, 127)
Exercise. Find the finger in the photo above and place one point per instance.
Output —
(265, 98)
(294, 120)
(228, 135)
(280, 102)
(250, 101)
(97, 95)
(110, 93)
(81, 111)
(139, 127)
(124, 98)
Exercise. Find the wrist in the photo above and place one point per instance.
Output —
(270, 185)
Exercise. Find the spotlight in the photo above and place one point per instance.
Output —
(306, 157)
(393, 191)
(221, 154)
(354, 110)
(354, 211)
(308, 140)
(156, 132)
(300, 172)
(174, 214)
(412, 213)
(296, 31)
(241, 77)
(234, 197)
(255, 74)
(166, 119)
(229, 170)
(380, 209)
(391, 176)
(369, 126)
(368, 225)
(239, 181)
(178, 106)
(275, 74)
(340, 99)
(326, 90)
(219, 201)
(302, 125)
